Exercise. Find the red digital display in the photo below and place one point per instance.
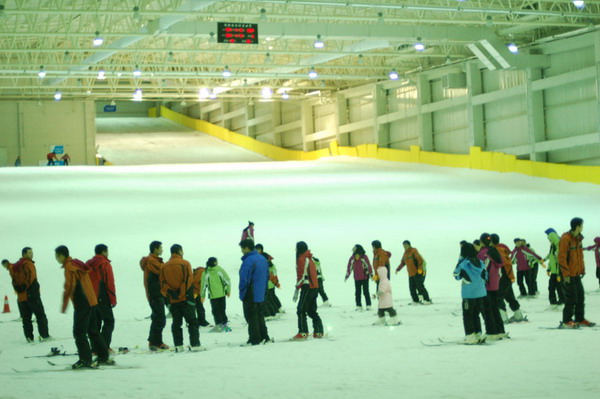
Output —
(232, 32)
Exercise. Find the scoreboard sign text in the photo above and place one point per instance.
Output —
(231, 32)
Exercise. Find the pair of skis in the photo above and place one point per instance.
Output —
(62, 367)
(444, 341)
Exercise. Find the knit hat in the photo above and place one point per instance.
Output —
(550, 230)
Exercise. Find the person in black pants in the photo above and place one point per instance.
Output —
(254, 277)
(78, 288)
(320, 279)
(101, 274)
(151, 265)
(307, 287)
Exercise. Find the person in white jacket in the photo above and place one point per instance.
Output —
(386, 303)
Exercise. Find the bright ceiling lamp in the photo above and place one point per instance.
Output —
(266, 92)
(579, 4)
(393, 74)
(98, 40)
(319, 43)
(137, 95)
(42, 72)
(57, 95)
(419, 46)
(203, 93)
(285, 95)
(312, 73)
(137, 72)
(136, 14)
(226, 72)
(513, 48)
(101, 74)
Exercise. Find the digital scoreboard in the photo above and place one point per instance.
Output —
(233, 32)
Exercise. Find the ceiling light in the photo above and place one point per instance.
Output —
(380, 18)
(137, 72)
(448, 60)
(226, 72)
(361, 59)
(2, 13)
(579, 4)
(101, 74)
(268, 58)
(263, 15)
(112, 102)
(513, 48)
(136, 14)
(67, 56)
(57, 95)
(98, 40)
(319, 43)
(137, 95)
(213, 95)
(170, 57)
(312, 73)
(285, 95)
(212, 38)
(393, 74)
(203, 93)
(183, 103)
(418, 45)
(42, 72)
(266, 92)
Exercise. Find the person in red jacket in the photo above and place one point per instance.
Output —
(103, 281)
(570, 260)
(51, 158)
(307, 287)
(415, 265)
(79, 289)
(596, 249)
(25, 283)
(248, 232)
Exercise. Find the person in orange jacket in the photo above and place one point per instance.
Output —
(570, 259)
(381, 258)
(307, 289)
(200, 311)
(25, 283)
(415, 266)
(79, 289)
(103, 281)
(176, 283)
(151, 265)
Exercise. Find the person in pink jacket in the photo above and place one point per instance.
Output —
(359, 265)
(489, 255)
(596, 249)
(386, 302)
(520, 255)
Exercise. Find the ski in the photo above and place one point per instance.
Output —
(113, 366)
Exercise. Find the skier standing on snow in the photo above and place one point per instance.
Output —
(507, 278)
(415, 266)
(524, 271)
(216, 281)
(381, 257)
(570, 259)
(534, 265)
(494, 327)
(360, 267)
(152, 265)
(471, 271)
(248, 232)
(554, 286)
(307, 287)
(254, 276)
(25, 283)
(200, 312)
(596, 249)
(320, 278)
(386, 302)
(103, 281)
(176, 283)
(272, 300)
(79, 289)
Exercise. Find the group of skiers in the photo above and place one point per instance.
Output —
(485, 268)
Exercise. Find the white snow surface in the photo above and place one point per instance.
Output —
(331, 204)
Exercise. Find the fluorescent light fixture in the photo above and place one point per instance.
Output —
(203, 93)
(213, 95)
(226, 72)
(137, 95)
(263, 15)
(183, 103)
(380, 18)
(266, 92)
(285, 95)
(418, 45)
(393, 74)
(579, 4)
(268, 58)
(170, 57)
(212, 38)
(313, 93)
(137, 72)
(98, 40)
(57, 95)
(513, 48)
(42, 72)
(312, 73)
(361, 59)
(2, 14)
(101, 74)
(136, 14)
(319, 43)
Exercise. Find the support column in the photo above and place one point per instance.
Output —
(307, 125)
(249, 130)
(341, 115)
(425, 122)
(276, 122)
(475, 112)
(597, 58)
(535, 115)
(381, 132)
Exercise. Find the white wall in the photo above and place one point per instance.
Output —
(29, 128)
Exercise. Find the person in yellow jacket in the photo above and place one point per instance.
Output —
(415, 266)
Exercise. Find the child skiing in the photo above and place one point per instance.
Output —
(471, 271)
(386, 303)
(217, 282)
(596, 249)
(360, 267)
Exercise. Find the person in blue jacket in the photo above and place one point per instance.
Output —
(254, 277)
(473, 274)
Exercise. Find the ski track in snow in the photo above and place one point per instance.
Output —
(332, 205)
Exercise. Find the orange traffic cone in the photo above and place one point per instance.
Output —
(6, 305)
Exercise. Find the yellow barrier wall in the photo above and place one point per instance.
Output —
(476, 159)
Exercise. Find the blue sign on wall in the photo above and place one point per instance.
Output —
(110, 108)
(58, 149)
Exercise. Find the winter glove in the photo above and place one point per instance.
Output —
(295, 297)
(346, 279)
(375, 278)
(419, 271)
(548, 273)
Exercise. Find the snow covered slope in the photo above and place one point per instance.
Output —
(331, 204)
